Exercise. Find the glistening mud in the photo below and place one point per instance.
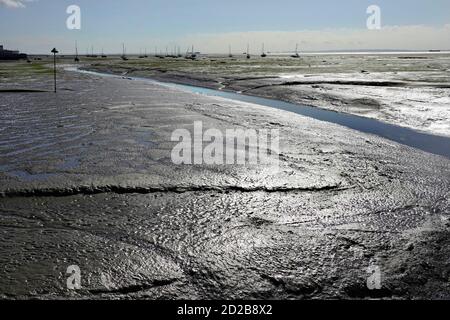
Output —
(110, 201)
(438, 145)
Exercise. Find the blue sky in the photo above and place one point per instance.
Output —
(146, 23)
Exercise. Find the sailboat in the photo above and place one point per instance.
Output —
(230, 55)
(76, 53)
(173, 53)
(263, 55)
(191, 56)
(103, 54)
(156, 53)
(248, 51)
(141, 56)
(296, 55)
(124, 57)
(92, 53)
(161, 56)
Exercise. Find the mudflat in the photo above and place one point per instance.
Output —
(86, 179)
(406, 89)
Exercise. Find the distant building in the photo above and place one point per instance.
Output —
(11, 55)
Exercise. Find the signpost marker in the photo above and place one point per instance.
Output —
(54, 51)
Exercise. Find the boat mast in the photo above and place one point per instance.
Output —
(76, 52)
(296, 55)
(124, 57)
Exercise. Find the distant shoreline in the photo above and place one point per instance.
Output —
(304, 53)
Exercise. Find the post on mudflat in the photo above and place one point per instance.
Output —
(54, 51)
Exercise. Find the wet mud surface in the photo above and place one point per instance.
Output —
(86, 179)
(408, 91)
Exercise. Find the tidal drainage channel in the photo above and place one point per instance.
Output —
(438, 145)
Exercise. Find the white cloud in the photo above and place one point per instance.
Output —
(14, 3)
(417, 37)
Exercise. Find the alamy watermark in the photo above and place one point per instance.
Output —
(374, 19)
(73, 282)
(232, 146)
(374, 277)
(73, 22)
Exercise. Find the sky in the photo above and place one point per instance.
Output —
(36, 26)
